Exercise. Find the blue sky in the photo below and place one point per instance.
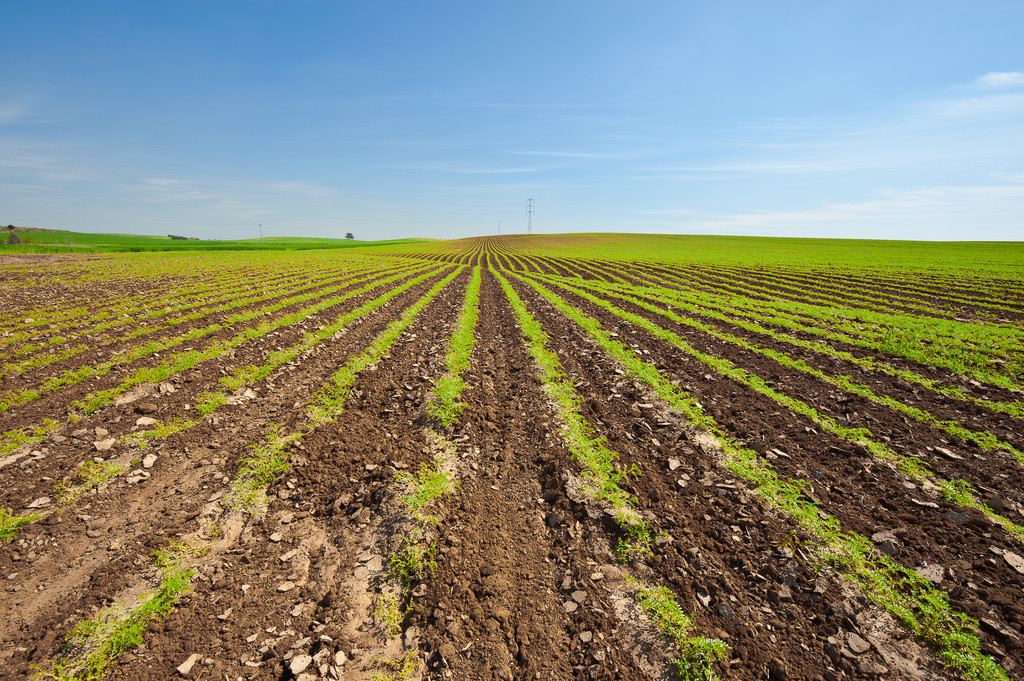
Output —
(395, 119)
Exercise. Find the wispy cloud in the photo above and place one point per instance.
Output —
(16, 109)
(572, 154)
(1001, 79)
(991, 105)
(933, 203)
(1005, 176)
(43, 162)
(667, 211)
(292, 187)
(738, 169)
(231, 199)
(459, 169)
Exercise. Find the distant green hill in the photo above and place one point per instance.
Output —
(59, 241)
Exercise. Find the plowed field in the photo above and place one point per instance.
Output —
(493, 461)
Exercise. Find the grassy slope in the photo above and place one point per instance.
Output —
(1005, 258)
(1001, 259)
(78, 242)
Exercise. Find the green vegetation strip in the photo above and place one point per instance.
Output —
(10, 523)
(270, 458)
(600, 463)
(254, 373)
(697, 653)
(904, 295)
(98, 642)
(706, 308)
(116, 312)
(985, 352)
(433, 481)
(985, 440)
(447, 408)
(955, 491)
(92, 474)
(913, 600)
(14, 439)
(75, 376)
(95, 644)
(195, 312)
(329, 402)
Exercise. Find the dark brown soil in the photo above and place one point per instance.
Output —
(526, 584)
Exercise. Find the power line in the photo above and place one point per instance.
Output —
(529, 216)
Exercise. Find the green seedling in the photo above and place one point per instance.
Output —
(10, 523)
(697, 654)
(89, 476)
(429, 483)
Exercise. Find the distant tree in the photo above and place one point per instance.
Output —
(349, 235)
(14, 239)
(10, 227)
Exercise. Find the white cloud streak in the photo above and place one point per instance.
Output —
(921, 206)
(1001, 79)
(457, 169)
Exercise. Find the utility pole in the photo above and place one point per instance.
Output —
(499, 227)
(529, 214)
(261, 234)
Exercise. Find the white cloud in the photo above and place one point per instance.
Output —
(668, 211)
(914, 209)
(16, 110)
(569, 154)
(996, 79)
(293, 187)
(992, 105)
(1015, 177)
(458, 169)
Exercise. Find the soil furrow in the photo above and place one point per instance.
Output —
(864, 495)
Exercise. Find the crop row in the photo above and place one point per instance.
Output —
(156, 303)
(160, 320)
(266, 461)
(153, 347)
(174, 363)
(921, 607)
(988, 354)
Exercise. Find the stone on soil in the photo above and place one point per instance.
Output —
(185, 668)
(299, 664)
(1015, 561)
(933, 573)
(857, 644)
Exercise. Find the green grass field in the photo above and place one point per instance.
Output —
(85, 242)
(992, 258)
(999, 258)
